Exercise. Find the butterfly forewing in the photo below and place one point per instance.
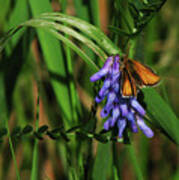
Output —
(143, 75)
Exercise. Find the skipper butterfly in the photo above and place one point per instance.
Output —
(136, 75)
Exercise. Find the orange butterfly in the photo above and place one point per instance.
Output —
(134, 75)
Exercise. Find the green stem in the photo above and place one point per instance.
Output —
(125, 15)
(71, 84)
(116, 161)
(12, 151)
(95, 12)
(34, 172)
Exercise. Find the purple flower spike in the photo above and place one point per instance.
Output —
(144, 128)
(137, 107)
(123, 112)
(104, 70)
(121, 126)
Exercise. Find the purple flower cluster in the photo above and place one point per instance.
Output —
(121, 111)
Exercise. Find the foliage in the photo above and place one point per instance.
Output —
(46, 61)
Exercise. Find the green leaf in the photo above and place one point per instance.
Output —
(134, 160)
(119, 31)
(75, 48)
(4, 10)
(102, 162)
(42, 129)
(69, 31)
(53, 57)
(19, 14)
(88, 29)
(27, 129)
(161, 114)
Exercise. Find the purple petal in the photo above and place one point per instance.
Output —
(145, 129)
(116, 87)
(131, 119)
(110, 99)
(117, 58)
(106, 85)
(98, 99)
(108, 62)
(121, 126)
(103, 71)
(98, 75)
(115, 115)
(134, 127)
(106, 110)
(104, 113)
(116, 78)
(135, 104)
(124, 110)
(107, 125)
(116, 100)
(115, 67)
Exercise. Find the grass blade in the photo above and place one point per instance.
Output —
(102, 162)
(19, 14)
(4, 120)
(70, 32)
(134, 161)
(86, 28)
(161, 114)
(54, 61)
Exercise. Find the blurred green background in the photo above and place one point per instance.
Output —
(43, 82)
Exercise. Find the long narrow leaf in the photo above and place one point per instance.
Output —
(69, 31)
(53, 57)
(19, 14)
(90, 30)
(161, 114)
(155, 103)
(102, 162)
(75, 48)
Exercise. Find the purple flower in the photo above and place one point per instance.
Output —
(123, 112)
(135, 104)
(121, 124)
(104, 70)
(145, 129)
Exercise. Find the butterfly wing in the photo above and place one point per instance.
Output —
(143, 75)
(128, 84)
